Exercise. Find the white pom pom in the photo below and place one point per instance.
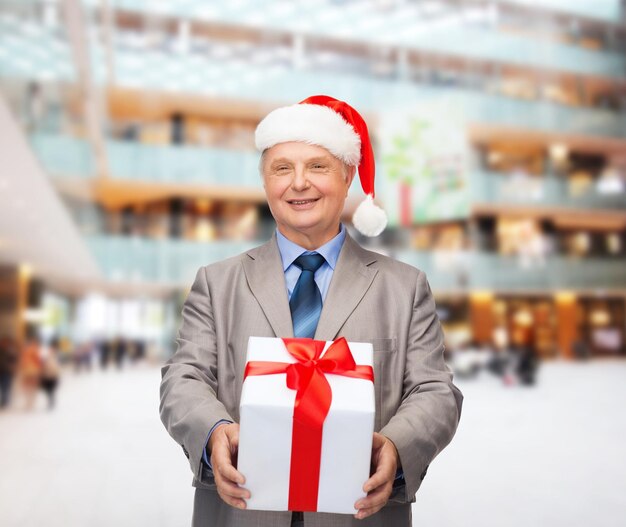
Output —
(369, 219)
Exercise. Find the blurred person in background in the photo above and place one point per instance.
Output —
(9, 356)
(83, 354)
(140, 351)
(136, 351)
(470, 359)
(105, 349)
(580, 349)
(30, 371)
(527, 360)
(50, 372)
(120, 350)
(502, 360)
(310, 152)
(35, 106)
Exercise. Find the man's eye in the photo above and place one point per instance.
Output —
(282, 168)
(317, 166)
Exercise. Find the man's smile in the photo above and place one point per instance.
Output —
(302, 202)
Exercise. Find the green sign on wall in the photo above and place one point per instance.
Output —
(423, 153)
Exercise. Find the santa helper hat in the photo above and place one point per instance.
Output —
(336, 126)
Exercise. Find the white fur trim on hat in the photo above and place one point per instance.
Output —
(313, 124)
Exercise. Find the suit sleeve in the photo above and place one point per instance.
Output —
(189, 406)
(429, 413)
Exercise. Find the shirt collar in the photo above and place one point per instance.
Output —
(289, 250)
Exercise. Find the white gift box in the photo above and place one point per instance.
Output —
(266, 424)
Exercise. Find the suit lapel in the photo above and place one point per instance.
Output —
(264, 273)
(351, 280)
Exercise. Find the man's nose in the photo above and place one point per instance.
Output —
(300, 180)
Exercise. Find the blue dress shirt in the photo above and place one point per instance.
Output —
(289, 251)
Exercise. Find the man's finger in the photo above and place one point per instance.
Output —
(227, 477)
(376, 498)
(364, 513)
(230, 473)
(233, 502)
(375, 501)
(229, 491)
(385, 459)
(380, 484)
(379, 478)
(232, 490)
(385, 471)
(221, 460)
(233, 437)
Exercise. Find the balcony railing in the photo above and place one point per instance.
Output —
(72, 157)
(547, 190)
(168, 262)
(175, 262)
(447, 33)
(68, 156)
(607, 10)
(246, 81)
(481, 270)
(183, 164)
(43, 55)
(64, 155)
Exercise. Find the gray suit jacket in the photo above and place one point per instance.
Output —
(372, 298)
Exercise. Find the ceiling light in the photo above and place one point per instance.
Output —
(559, 151)
(25, 270)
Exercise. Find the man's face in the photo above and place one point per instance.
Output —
(306, 187)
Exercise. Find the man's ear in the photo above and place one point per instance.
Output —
(350, 175)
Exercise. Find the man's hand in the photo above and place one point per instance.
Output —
(385, 463)
(223, 446)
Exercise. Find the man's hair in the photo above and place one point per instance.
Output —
(345, 168)
(262, 162)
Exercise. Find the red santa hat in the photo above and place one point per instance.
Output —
(336, 126)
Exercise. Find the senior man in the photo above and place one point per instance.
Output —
(311, 280)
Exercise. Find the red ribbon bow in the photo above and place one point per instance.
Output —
(313, 398)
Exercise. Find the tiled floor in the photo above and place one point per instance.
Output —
(102, 459)
(554, 455)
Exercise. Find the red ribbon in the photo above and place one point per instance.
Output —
(313, 398)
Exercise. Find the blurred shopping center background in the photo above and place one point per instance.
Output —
(500, 130)
(128, 162)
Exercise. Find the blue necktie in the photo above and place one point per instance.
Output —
(306, 299)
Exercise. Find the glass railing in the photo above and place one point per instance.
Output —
(31, 50)
(72, 157)
(175, 262)
(183, 164)
(447, 32)
(488, 44)
(606, 10)
(68, 156)
(548, 190)
(64, 155)
(491, 271)
(168, 262)
(540, 115)
(487, 271)
(246, 80)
